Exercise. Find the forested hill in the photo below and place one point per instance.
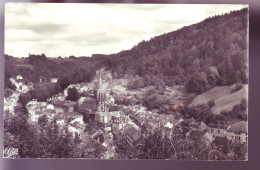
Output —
(201, 56)
(212, 52)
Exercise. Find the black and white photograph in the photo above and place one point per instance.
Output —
(126, 81)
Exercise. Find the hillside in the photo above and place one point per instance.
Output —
(201, 56)
(223, 96)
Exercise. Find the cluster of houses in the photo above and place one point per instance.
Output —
(11, 102)
(20, 84)
(124, 125)
(208, 133)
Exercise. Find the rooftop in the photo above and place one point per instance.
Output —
(86, 100)
(219, 126)
(238, 127)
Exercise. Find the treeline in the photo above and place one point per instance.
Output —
(36, 67)
(43, 140)
(173, 144)
(201, 56)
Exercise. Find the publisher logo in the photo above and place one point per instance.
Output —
(10, 152)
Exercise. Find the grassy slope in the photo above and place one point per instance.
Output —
(223, 97)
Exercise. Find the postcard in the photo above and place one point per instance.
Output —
(126, 81)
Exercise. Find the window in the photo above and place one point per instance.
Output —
(211, 130)
(218, 131)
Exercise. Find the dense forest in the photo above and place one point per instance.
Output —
(201, 56)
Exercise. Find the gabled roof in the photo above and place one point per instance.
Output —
(187, 121)
(86, 100)
(71, 114)
(238, 127)
(208, 137)
(116, 113)
(131, 131)
(219, 126)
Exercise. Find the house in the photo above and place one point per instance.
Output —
(66, 106)
(58, 110)
(54, 80)
(34, 117)
(24, 88)
(104, 118)
(56, 97)
(219, 130)
(74, 115)
(83, 89)
(238, 131)
(86, 105)
(118, 120)
(60, 120)
(130, 135)
(73, 130)
(19, 77)
(110, 99)
(97, 135)
(78, 120)
(198, 135)
(94, 133)
(50, 106)
(194, 124)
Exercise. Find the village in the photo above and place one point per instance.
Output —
(92, 120)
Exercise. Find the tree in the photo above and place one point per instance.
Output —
(25, 98)
(9, 84)
(198, 83)
(73, 94)
(243, 104)
(211, 103)
(43, 120)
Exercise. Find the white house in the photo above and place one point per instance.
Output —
(50, 106)
(19, 77)
(34, 116)
(79, 120)
(238, 131)
(217, 130)
(73, 130)
(54, 80)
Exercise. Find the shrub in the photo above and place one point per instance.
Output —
(211, 103)
(238, 86)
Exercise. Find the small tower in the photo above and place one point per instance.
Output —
(101, 97)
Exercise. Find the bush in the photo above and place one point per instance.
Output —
(238, 86)
(73, 94)
(243, 104)
(190, 98)
(211, 103)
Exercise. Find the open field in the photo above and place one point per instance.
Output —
(223, 96)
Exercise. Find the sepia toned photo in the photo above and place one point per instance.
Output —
(126, 81)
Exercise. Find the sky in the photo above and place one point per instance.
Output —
(85, 29)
